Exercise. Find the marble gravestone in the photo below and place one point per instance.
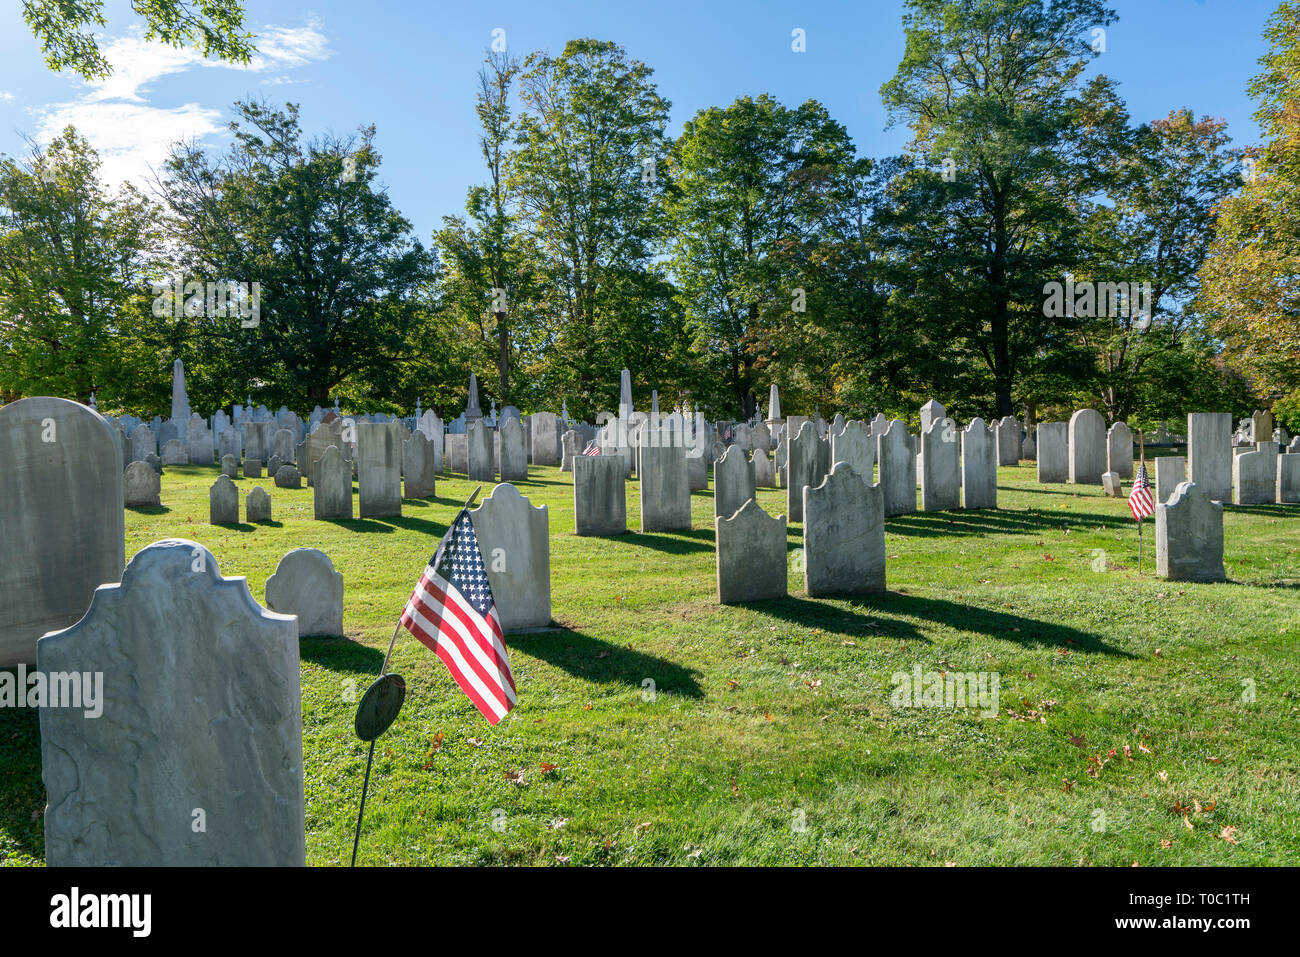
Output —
(1254, 477)
(514, 537)
(1209, 453)
(257, 505)
(599, 496)
(62, 528)
(546, 438)
(979, 466)
(1288, 478)
(1189, 536)
(1087, 451)
(141, 486)
(764, 472)
(1053, 452)
(751, 555)
(202, 715)
(665, 489)
(844, 535)
(569, 446)
(282, 443)
(940, 467)
(417, 466)
(230, 466)
(175, 453)
(1119, 450)
(379, 470)
(252, 468)
(332, 491)
(143, 443)
(856, 449)
(733, 482)
(479, 447)
(897, 469)
(1171, 471)
(801, 468)
(1009, 440)
(514, 451)
(223, 502)
(306, 586)
(286, 476)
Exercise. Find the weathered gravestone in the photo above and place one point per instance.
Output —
(665, 489)
(257, 440)
(201, 721)
(514, 451)
(274, 465)
(751, 555)
(1288, 478)
(733, 482)
(457, 445)
(141, 486)
(764, 472)
(697, 470)
(229, 445)
(417, 466)
(514, 538)
(940, 467)
(1053, 455)
(257, 505)
(571, 446)
(1254, 478)
(252, 468)
(1119, 450)
(599, 497)
(198, 439)
(1209, 453)
(897, 468)
(856, 449)
(844, 535)
(282, 444)
(1171, 471)
(306, 585)
(1189, 536)
(174, 453)
(1008, 440)
(1111, 484)
(223, 502)
(801, 468)
(332, 491)
(1087, 450)
(979, 466)
(143, 443)
(479, 439)
(379, 464)
(286, 476)
(62, 531)
(546, 438)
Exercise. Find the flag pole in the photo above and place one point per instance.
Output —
(1142, 462)
(370, 757)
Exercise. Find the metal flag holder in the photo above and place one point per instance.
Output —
(380, 706)
(1142, 461)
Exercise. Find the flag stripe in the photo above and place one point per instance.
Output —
(454, 632)
(462, 624)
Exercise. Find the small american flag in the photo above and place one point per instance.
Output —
(452, 612)
(591, 449)
(1140, 501)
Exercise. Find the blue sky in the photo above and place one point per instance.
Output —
(410, 70)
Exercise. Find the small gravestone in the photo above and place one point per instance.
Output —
(764, 472)
(143, 443)
(697, 471)
(202, 724)
(1254, 478)
(273, 465)
(801, 468)
(1008, 440)
(1209, 453)
(1053, 455)
(546, 438)
(306, 585)
(230, 466)
(979, 466)
(665, 489)
(141, 486)
(282, 444)
(570, 443)
(897, 469)
(1111, 484)
(514, 537)
(514, 451)
(228, 444)
(599, 495)
(174, 453)
(286, 476)
(1119, 450)
(855, 448)
(1029, 449)
(1288, 478)
(1189, 536)
(252, 468)
(154, 462)
(481, 465)
(733, 482)
(223, 502)
(844, 535)
(379, 464)
(257, 440)
(457, 452)
(1171, 471)
(332, 493)
(257, 505)
(941, 467)
(418, 467)
(1087, 451)
(751, 555)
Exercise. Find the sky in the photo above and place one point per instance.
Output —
(410, 69)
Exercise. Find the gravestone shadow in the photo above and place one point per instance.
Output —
(602, 662)
(22, 793)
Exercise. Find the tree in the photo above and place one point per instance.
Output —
(342, 279)
(71, 254)
(214, 26)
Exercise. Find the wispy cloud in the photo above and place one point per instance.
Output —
(131, 134)
(6, 97)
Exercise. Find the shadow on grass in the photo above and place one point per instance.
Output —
(602, 662)
(975, 521)
(872, 616)
(148, 509)
(340, 654)
(1276, 509)
(22, 793)
(390, 523)
(674, 543)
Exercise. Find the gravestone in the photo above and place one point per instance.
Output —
(1111, 485)
(979, 465)
(306, 585)
(733, 482)
(141, 486)
(142, 443)
(335, 432)
(931, 412)
(844, 535)
(257, 440)
(273, 466)
(514, 537)
(1053, 452)
(431, 425)
(230, 466)
(286, 476)
(198, 438)
(257, 505)
(379, 464)
(599, 496)
(174, 453)
(897, 467)
(1288, 478)
(697, 471)
(1189, 536)
(223, 502)
(546, 438)
(417, 466)
(229, 444)
(941, 467)
(252, 468)
(62, 530)
(801, 468)
(1008, 440)
(856, 449)
(1261, 426)
(1209, 453)
(751, 555)
(1171, 471)
(1254, 478)
(202, 715)
(764, 473)
(514, 451)
(570, 445)
(665, 489)
(282, 444)
(457, 446)
(481, 467)
(332, 491)
(154, 463)
(1119, 450)
(1087, 452)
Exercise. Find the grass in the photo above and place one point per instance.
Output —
(770, 737)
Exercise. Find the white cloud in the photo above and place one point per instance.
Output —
(6, 97)
(132, 135)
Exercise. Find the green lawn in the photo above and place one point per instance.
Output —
(771, 739)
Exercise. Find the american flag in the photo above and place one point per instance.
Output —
(452, 612)
(1140, 501)
(591, 449)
